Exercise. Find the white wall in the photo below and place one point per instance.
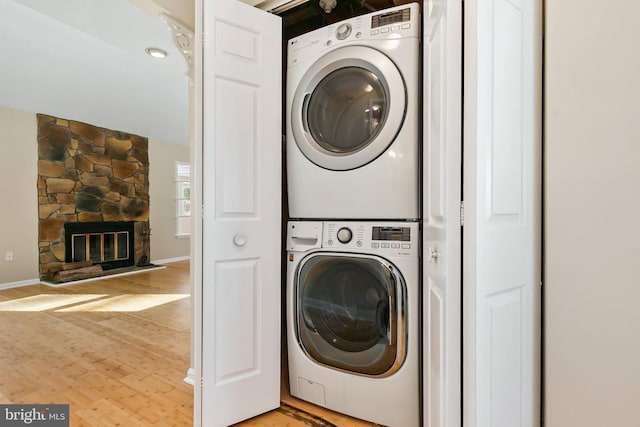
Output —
(592, 199)
(162, 159)
(18, 196)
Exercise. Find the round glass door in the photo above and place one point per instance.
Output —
(350, 313)
(348, 108)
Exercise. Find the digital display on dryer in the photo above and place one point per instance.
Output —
(383, 19)
(402, 234)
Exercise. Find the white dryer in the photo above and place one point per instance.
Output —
(352, 118)
(353, 318)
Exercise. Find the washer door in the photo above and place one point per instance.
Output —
(350, 312)
(348, 108)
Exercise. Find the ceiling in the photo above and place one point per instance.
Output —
(85, 60)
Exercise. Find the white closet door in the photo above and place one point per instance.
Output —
(442, 194)
(502, 194)
(241, 181)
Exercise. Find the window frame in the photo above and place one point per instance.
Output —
(182, 182)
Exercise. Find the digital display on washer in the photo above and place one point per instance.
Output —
(391, 233)
(383, 19)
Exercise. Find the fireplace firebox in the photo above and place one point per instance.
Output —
(111, 244)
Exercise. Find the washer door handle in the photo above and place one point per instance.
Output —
(305, 109)
(391, 312)
(240, 240)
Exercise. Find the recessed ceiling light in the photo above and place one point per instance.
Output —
(156, 52)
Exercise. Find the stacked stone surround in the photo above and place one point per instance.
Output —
(88, 174)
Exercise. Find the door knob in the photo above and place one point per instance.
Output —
(433, 254)
(240, 240)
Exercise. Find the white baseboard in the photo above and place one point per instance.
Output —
(191, 376)
(19, 284)
(170, 260)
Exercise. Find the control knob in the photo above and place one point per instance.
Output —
(344, 235)
(343, 31)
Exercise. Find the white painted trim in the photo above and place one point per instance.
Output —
(191, 376)
(93, 279)
(196, 219)
(170, 260)
(19, 284)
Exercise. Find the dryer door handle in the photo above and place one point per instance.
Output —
(305, 110)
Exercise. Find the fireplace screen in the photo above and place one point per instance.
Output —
(108, 243)
(100, 247)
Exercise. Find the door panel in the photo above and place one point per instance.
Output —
(442, 231)
(507, 87)
(236, 163)
(435, 358)
(237, 349)
(240, 83)
(502, 213)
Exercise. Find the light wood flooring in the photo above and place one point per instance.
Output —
(117, 350)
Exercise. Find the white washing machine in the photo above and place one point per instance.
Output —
(352, 118)
(353, 318)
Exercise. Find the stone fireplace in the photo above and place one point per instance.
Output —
(93, 190)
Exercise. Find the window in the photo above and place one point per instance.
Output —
(183, 199)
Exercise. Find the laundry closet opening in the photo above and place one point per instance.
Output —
(299, 20)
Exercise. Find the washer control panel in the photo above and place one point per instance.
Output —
(393, 238)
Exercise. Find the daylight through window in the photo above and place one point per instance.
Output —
(183, 199)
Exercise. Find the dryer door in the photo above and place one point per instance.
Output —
(348, 108)
(350, 312)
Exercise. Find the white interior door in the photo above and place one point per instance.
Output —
(241, 194)
(502, 194)
(442, 229)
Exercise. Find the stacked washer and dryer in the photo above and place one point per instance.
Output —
(353, 241)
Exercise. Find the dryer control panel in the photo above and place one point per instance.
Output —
(386, 25)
